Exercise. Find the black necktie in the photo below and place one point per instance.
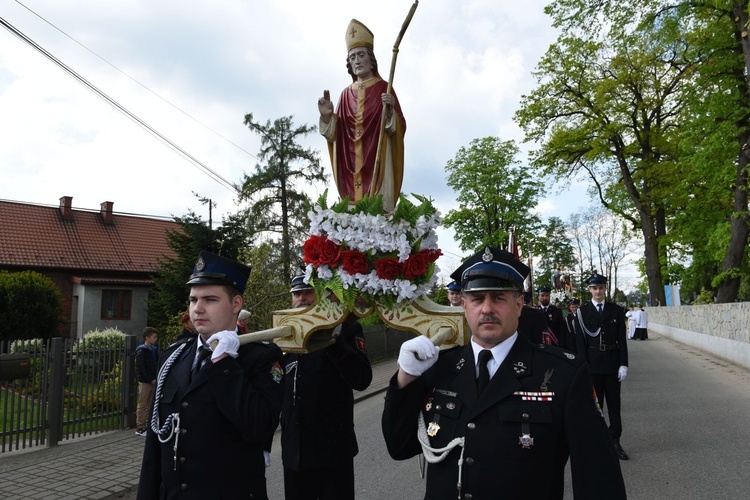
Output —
(484, 372)
(599, 307)
(203, 353)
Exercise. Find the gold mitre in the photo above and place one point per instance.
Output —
(357, 35)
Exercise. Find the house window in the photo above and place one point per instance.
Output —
(116, 304)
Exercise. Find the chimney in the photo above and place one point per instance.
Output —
(66, 207)
(106, 212)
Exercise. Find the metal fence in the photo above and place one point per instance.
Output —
(71, 391)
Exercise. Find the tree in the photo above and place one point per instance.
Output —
(717, 106)
(30, 306)
(277, 203)
(600, 247)
(609, 110)
(267, 287)
(556, 251)
(494, 194)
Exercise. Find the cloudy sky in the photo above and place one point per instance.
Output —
(192, 70)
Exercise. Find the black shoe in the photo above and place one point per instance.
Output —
(619, 451)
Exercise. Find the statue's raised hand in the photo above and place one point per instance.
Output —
(325, 106)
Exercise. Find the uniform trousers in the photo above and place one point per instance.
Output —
(607, 388)
(335, 482)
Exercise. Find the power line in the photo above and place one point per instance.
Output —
(197, 163)
(141, 84)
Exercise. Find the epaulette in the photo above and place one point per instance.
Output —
(178, 343)
(558, 352)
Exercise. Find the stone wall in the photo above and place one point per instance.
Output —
(720, 329)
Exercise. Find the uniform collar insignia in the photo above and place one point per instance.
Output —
(519, 368)
(460, 364)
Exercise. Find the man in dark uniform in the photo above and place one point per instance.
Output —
(555, 319)
(498, 418)
(570, 321)
(532, 324)
(600, 339)
(213, 411)
(318, 443)
(454, 294)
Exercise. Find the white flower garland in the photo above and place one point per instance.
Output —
(374, 234)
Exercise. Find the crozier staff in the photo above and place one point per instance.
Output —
(500, 417)
(213, 411)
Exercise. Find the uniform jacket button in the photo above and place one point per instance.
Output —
(525, 416)
(226, 372)
(183, 431)
(185, 404)
(468, 496)
(469, 461)
(182, 460)
(471, 426)
(183, 486)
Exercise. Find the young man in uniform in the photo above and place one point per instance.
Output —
(499, 417)
(553, 315)
(318, 444)
(454, 294)
(213, 410)
(601, 337)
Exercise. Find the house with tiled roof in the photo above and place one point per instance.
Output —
(103, 262)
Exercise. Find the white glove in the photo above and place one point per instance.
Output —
(228, 343)
(267, 458)
(417, 355)
(622, 373)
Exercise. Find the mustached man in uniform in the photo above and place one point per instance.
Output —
(499, 417)
(600, 339)
(318, 443)
(213, 411)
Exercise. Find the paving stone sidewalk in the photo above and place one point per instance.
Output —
(103, 466)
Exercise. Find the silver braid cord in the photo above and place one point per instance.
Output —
(435, 455)
(168, 429)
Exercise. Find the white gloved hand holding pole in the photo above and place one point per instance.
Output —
(417, 355)
(622, 373)
(227, 342)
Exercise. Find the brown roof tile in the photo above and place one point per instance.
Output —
(38, 236)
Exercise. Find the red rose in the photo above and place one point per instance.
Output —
(433, 254)
(416, 265)
(354, 261)
(310, 251)
(330, 253)
(387, 268)
(319, 250)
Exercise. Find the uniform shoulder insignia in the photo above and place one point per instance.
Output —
(557, 352)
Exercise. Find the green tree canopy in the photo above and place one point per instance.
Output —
(494, 194)
(30, 306)
(675, 159)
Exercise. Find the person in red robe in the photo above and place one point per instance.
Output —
(353, 131)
